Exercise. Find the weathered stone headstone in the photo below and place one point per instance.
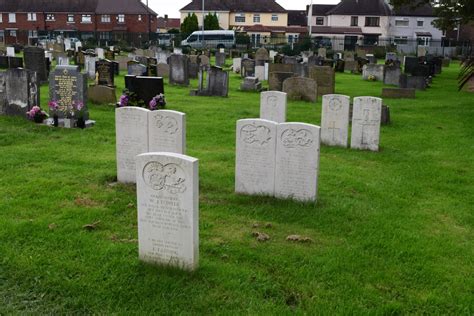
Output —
(377, 71)
(349, 56)
(90, 66)
(100, 53)
(248, 68)
(35, 60)
(63, 60)
(273, 106)
(163, 70)
(123, 60)
(421, 51)
(415, 82)
(351, 66)
(261, 56)
(3, 92)
(289, 60)
(276, 79)
(136, 69)
(251, 84)
(299, 88)
(260, 72)
(297, 161)
(179, 70)
(391, 56)
(11, 51)
(203, 61)
(68, 87)
(398, 93)
(255, 157)
(325, 78)
(131, 130)
(22, 91)
(101, 94)
(392, 75)
(168, 209)
(167, 131)
(220, 59)
(110, 55)
(335, 120)
(322, 52)
(366, 123)
(236, 64)
(105, 73)
(217, 83)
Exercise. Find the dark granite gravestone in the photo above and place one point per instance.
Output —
(141, 59)
(110, 55)
(217, 83)
(325, 78)
(22, 91)
(340, 65)
(152, 70)
(136, 69)
(4, 62)
(15, 62)
(315, 60)
(35, 61)
(179, 69)
(421, 70)
(275, 80)
(261, 57)
(80, 59)
(68, 87)
(220, 59)
(410, 64)
(247, 68)
(145, 88)
(105, 73)
(116, 67)
(415, 82)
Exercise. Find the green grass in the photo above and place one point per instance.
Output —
(392, 231)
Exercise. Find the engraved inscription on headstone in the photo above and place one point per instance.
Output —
(167, 131)
(366, 123)
(273, 106)
(335, 120)
(168, 209)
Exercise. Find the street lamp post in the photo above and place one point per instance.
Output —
(202, 26)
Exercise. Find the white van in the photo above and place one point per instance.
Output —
(210, 39)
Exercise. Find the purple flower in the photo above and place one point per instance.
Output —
(153, 104)
(123, 100)
(53, 105)
(79, 105)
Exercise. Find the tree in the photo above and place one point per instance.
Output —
(211, 22)
(450, 13)
(189, 25)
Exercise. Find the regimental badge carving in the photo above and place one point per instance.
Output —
(335, 104)
(255, 134)
(164, 177)
(292, 138)
(272, 101)
(167, 124)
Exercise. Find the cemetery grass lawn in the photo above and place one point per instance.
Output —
(391, 232)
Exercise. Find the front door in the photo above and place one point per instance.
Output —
(350, 43)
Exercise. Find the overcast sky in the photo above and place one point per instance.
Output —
(171, 7)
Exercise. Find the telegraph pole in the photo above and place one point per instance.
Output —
(202, 26)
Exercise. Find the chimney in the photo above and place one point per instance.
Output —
(166, 17)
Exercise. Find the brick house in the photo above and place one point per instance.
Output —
(23, 21)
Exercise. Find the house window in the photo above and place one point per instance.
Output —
(419, 23)
(13, 33)
(423, 41)
(121, 18)
(354, 21)
(139, 17)
(33, 34)
(31, 16)
(11, 17)
(371, 39)
(240, 18)
(402, 22)
(70, 18)
(104, 36)
(401, 40)
(49, 17)
(372, 21)
(319, 20)
(274, 17)
(86, 18)
(256, 18)
(105, 18)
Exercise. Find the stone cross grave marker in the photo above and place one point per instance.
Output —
(297, 161)
(366, 123)
(273, 106)
(168, 209)
(335, 120)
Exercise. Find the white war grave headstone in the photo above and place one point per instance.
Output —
(273, 106)
(335, 120)
(366, 123)
(168, 209)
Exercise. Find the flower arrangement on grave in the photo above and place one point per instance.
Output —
(78, 110)
(157, 102)
(53, 108)
(123, 101)
(129, 98)
(36, 114)
(371, 78)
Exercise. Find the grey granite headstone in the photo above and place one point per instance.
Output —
(392, 75)
(179, 69)
(35, 60)
(22, 91)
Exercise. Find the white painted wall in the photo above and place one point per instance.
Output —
(412, 28)
(345, 21)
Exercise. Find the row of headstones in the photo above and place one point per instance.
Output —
(335, 117)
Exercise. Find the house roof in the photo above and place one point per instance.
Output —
(361, 7)
(297, 17)
(322, 9)
(76, 6)
(168, 23)
(335, 30)
(414, 10)
(236, 6)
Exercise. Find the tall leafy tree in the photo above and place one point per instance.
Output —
(211, 22)
(189, 25)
